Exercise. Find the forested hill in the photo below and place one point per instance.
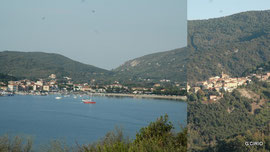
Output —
(238, 117)
(164, 65)
(41, 65)
(231, 44)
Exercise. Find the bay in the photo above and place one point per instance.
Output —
(43, 118)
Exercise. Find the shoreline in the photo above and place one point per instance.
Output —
(180, 98)
(146, 96)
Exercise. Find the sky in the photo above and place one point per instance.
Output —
(103, 33)
(106, 33)
(205, 9)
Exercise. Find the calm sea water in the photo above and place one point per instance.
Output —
(43, 118)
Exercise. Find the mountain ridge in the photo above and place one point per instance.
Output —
(41, 65)
(230, 44)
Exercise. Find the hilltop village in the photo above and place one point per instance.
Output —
(223, 83)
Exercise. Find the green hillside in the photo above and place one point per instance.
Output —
(244, 113)
(33, 65)
(164, 65)
(6, 78)
(231, 44)
(262, 68)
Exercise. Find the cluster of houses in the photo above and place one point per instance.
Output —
(52, 85)
(27, 85)
(48, 85)
(217, 83)
(225, 82)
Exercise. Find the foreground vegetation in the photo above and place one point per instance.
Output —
(158, 136)
(239, 117)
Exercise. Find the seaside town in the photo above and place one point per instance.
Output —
(225, 83)
(51, 85)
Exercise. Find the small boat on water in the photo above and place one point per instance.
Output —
(58, 98)
(88, 101)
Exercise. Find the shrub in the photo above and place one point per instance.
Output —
(16, 144)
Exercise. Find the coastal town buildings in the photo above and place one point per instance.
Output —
(216, 83)
(46, 88)
(52, 76)
(226, 83)
(221, 82)
(12, 87)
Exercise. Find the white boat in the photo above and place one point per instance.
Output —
(58, 98)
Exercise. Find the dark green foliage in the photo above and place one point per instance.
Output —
(259, 69)
(266, 93)
(233, 145)
(5, 78)
(34, 65)
(158, 137)
(217, 125)
(170, 91)
(237, 144)
(15, 144)
(247, 105)
(231, 44)
(159, 129)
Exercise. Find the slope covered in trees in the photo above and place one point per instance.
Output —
(164, 65)
(231, 44)
(235, 117)
(33, 65)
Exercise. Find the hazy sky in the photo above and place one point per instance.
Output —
(204, 9)
(104, 33)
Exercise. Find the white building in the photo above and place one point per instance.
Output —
(12, 87)
(52, 76)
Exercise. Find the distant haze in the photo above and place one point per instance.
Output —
(103, 33)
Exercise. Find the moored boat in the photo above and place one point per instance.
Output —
(57, 98)
(88, 101)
